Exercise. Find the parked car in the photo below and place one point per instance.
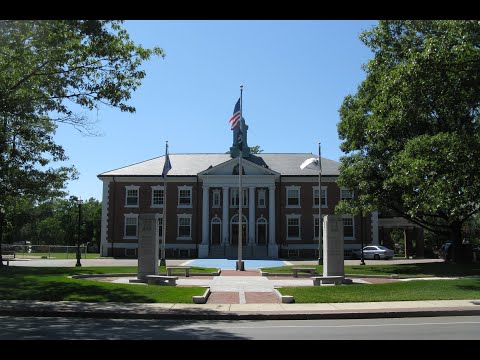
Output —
(375, 252)
(443, 251)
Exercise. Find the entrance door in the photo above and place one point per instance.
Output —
(234, 230)
(216, 231)
(262, 231)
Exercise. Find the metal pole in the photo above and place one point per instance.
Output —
(362, 259)
(240, 265)
(79, 229)
(320, 221)
(163, 261)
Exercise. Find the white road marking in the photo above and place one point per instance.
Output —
(334, 326)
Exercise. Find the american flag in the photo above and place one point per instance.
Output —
(167, 166)
(235, 119)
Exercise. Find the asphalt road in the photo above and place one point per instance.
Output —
(57, 328)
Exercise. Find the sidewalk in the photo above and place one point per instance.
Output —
(241, 311)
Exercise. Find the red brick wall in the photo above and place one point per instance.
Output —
(117, 210)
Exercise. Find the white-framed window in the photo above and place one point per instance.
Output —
(315, 196)
(293, 227)
(216, 199)
(130, 226)
(185, 196)
(346, 194)
(293, 196)
(348, 226)
(131, 196)
(184, 227)
(315, 226)
(261, 199)
(234, 197)
(157, 196)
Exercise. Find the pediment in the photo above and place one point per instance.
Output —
(230, 167)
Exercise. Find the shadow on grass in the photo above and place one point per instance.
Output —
(53, 284)
(429, 269)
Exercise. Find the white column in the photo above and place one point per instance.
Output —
(225, 220)
(272, 246)
(375, 228)
(205, 215)
(203, 247)
(251, 215)
(104, 229)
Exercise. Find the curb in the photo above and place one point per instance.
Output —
(284, 299)
(202, 299)
(217, 315)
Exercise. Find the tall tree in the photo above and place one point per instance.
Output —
(45, 66)
(411, 132)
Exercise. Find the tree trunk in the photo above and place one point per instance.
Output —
(458, 252)
(2, 216)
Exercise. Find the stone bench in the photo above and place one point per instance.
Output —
(324, 280)
(7, 257)
(171, 268)
(161, 279)
(302, 269)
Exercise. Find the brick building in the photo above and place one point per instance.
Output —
(280, 205)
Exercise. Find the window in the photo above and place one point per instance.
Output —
(293, 227)
(324, 196)
(131, 196)
(131, 226)
(157, 196)
(315, 227)
(293, 196)
(184, 196)
(347, 226)
(346, 194)
(216, 199)
(261, 198)
(184, 227)
(234, 197)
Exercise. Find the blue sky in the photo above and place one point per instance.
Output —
(295, 76)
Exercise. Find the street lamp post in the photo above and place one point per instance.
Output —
(362, 259)
(79, 203)
(317, 163)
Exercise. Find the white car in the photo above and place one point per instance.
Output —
(375, 252)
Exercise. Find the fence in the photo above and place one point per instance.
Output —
(46, 251)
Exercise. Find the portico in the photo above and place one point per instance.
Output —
(220, 201)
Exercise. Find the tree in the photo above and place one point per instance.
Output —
(255, 149)
(45, 67)
(411, 132)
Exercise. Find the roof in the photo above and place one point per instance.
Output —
(192, 164)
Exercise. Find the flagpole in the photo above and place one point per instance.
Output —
(320, 222)
(163, 261)
(240, 265)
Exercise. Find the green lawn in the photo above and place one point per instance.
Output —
(398, 291)
(53, 284)
(410, 270)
